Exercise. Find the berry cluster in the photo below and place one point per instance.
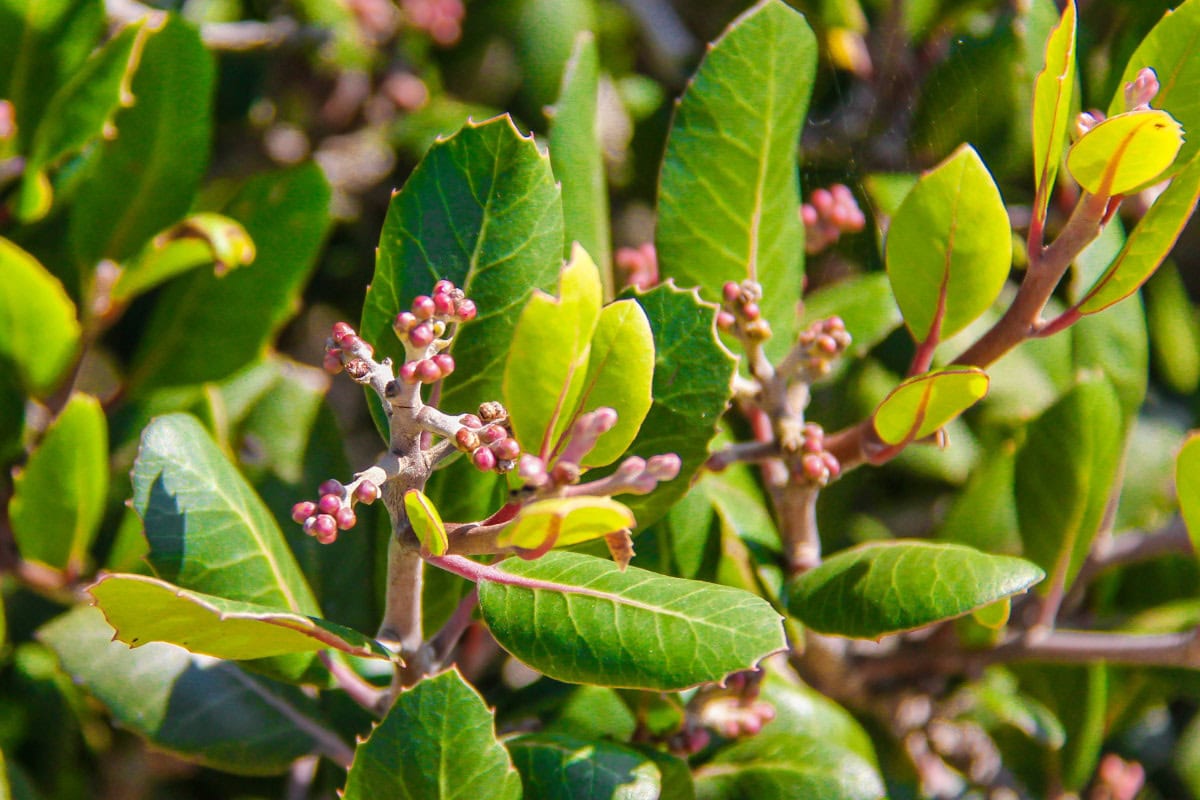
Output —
(488, 438)
(740, 313)
(830, 213)
(345, 347)
(822, 342)
(814, 463)
(639, 264)
(334, 511)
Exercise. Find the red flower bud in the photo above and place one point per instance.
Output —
(466, 439)
(405, 322)
(366, 492)
(324, 528)
(427, 370)
(466, 310)
(443, 287)
(470, 421)
(484, 459)
(731, 291)
(331, 486)
(333, 362)
(492, 434)
(408, 372)
(303, 510)
(421, 336)
(445, 363)
(423, 307)
(443, 304)
(341, 330)
(507, 449)
(345, 518)
(329, 504)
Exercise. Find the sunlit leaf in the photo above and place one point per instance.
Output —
(555, 766)
(1125, 152)
(426, 522)
(922, 404)
(782, 766)
(1052, 106)
(202, 239)
(560, 522)
(39, 333)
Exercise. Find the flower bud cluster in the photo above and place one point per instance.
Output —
(639, 265)
(334, 509)
(344, 348)
(488, 438)
(740, 313)
(1141, 90)
(813, 463)
(830, 213)
(735, 710)
(423, 327)
(820, 343)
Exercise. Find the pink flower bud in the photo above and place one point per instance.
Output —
(631, 467)
(408, 372)
(366, 492)
(1141, 90)
(443, 287)
(725, 320)
(466, 310)
(470, 421)
(492, 434)
(664, 467)
(332, 363)
(331, 486)
(731, 291)
(405, 322)
(484, 459)
(427, 371)
(814, 468)
(303, 510)
(345, 518)
(445, 363)
(310, 526)
(531, 469)
(342, 330)
(443, 304)
(324, 527)
(329, 504)
(507, 449)
(421, 336)
(751, 311)
(466, 439)
(831, 464)
(423, 307)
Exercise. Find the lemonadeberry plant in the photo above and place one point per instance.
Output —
(718, 533)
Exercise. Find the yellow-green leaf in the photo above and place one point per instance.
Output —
(560, 522)
(1125, 152)
(923, 404)
(1052, 106)
(1187, 485)
(39, 334)
(426, 522)
(201, 239)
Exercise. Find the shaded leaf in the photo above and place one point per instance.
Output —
(143, 610)
(564, 521)
(805, 713)
(437, 742)
(426, 522)
(925, 403)
(1174, 330)
(1125, 152)
(198, 708)
(1052, 106)
(481, 210)
(562, 767)
(582, 620)
(58, 498)
(880, 588)
(200, 240)
(39, 334)
(787, 767)
(949, 247)
(728, 195)
(1187, 483)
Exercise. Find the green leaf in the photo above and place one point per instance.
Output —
(437, 742)
(545, 372)
(426, 522)
(1052, 106)
(1125, 152)
(1064, 474)
(143, 610)
(83, 110)
(39, 334)
(1187, 483)
(984, 514)
(564, 521)
(481, 210)
(805, 713)
(561, 767)
(203, 710)
(144, 178)
(200, 240)
(923, 404)
(582, 620)
(949, 247)
(1149, 243)
(58, 498)
(1174, 330)
(577, 158)
(787, 767)
(692, 385)
(1170, 49)
(880, 588)
(206, 326)
(728, 198)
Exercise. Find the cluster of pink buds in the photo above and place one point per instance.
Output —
(740, 313)
(421, 330)
(814, 464)
(488, 438)
(441, 19)
(334, 510)
(344, 347)
(639, 264)
(1141, 90)
(829, 214)
(735, 710)
(822, 342)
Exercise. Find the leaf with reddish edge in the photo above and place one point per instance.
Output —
(1124, 153)
(1187, 485)
(564, 521)
(1052, 107)
(921, 405)
(1148, 244)
(426, 522)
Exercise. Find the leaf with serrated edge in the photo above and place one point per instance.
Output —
(39, 333)
(142, 610)
(581, 619)
(437, 742)
(1052, 106)
(1187, 485)
(949, 247)
(564, 521)
(198, 708)
(922, 404)
(728, 194)
(481, 209)
(1125, 152)
(557, 766)
(882, 588)
(1149, 243)
(58, 498)
(426, 522)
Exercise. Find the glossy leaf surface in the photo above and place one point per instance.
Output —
(580, 619)
(561, 767)
(880, 588)
(949, 247)
(728, 194)
(787, 767)
(437, 742)
(482, 210)
(426, 522)
(564, 521)
(143, 610)
(201, 709)
(1125, 152)
(58, 498)
(925, 403)
(1052, 106)
(39, 333)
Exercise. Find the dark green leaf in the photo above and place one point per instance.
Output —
(1116, 344)
(888, 587)
(144, 178)
(1174, 330)
(804, 712)
(561, 767)
(58, 498)
(581, 619)
(788, 767)
(143, 610)
(482, 210)
(39, 334)
(984, 515)
(1064, 474)
(198, 708)
(437, 742)
(206, 327)
(728, 195)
